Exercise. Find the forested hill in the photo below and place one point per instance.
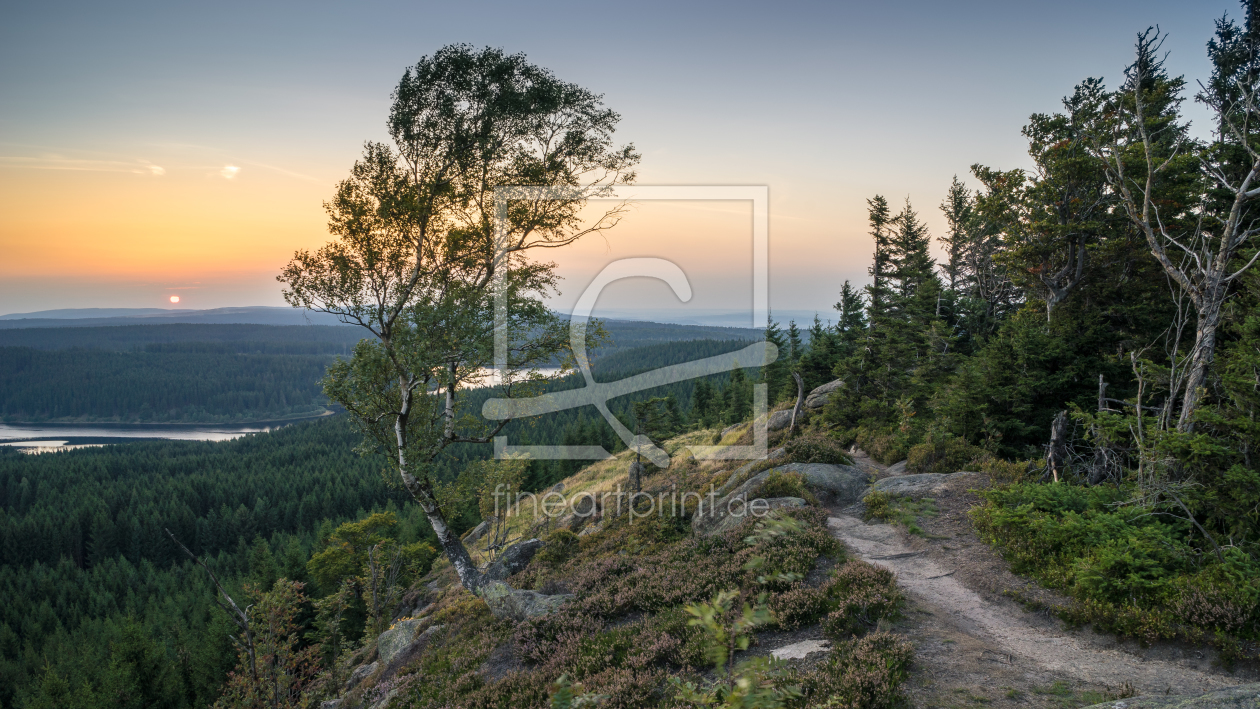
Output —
(197, 373)
(97, 597)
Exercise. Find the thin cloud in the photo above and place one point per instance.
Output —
(282, 171)
(58, 162)
(229, 172)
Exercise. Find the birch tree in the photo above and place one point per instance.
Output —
(419, 249)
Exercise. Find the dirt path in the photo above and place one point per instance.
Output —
(975, 646)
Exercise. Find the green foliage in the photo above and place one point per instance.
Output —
(816, 448)
(863, 672)
(1131, 570)
(750, 684)
(280, 672)
(899, 510)
(941, 455)
(786, 484)
(567, 695)
(559, 545)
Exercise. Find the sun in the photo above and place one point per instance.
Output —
(174, 299)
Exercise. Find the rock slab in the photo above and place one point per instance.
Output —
(514, 559)
(845, 483)
(518, 605)
(1244, 696)
(818, 397)
(918, 485)
(799, 651)
(758, 507)
(361, 673)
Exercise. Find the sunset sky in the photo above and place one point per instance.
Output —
(159, 149)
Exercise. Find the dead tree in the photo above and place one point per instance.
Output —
(246, 640)
(1209, 241)
(1057, 455)
(800, 401)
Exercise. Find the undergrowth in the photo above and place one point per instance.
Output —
(632, 623)
(1129, 570)
(900, 510)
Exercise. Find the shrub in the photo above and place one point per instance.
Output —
(898, 510)
(860, 594)
(1003, 471)
(877, 505)
(799, 606)
(558, 546)
(863, 673)
(855, 596)
(1141, 575)
(780, 483)
(941, 456)
(885, 447)
(816, 448)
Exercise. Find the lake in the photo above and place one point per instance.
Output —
(42, 438)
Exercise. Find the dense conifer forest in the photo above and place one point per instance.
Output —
(92, 576)
(184, 373)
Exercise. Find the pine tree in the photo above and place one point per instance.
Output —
(777, 373)
(882, 223)
(959, 209)
(795, 347)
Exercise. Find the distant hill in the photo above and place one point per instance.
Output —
(97, 317)
(264, 315)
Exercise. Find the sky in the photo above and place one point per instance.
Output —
(151, 150)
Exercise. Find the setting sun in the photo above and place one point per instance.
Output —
(174, 299)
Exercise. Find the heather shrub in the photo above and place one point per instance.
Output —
(783, 483)
(937, 455)
(855, 596)
(799, 606)
(559, 545)
(862, 673)
(859, 594)
(816, 448)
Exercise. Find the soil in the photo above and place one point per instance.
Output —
(976, 641)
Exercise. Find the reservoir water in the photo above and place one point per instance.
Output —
(41, 438)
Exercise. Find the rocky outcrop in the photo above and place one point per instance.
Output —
(361, 673)
(919, 485)
(818, 397)
(385, 700)
(478, 532)
(518, 605)
(1244, 696)
(845, 484)
(758, 507)
(740, 476)
(396, 639)
(513, 560)
(779, 420)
